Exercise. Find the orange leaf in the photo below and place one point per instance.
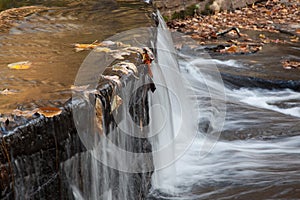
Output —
(262, 36)
(232, 49)
(49, 111)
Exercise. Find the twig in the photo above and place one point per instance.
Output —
(227, 31)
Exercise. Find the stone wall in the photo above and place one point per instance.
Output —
(34, 156)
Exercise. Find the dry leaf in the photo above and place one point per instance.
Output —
(121, 69)
(262, 36)
(129, 66)
(7, 92)
(114, 78)
(116, 102)
(99, 115)
(294, 39)
(49, 111)
(25, 113)
(232, 49)
(290, 64)
(20, 65)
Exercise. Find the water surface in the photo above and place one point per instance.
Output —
(46, 40)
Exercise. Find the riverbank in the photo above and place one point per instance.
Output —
(247, 30)
(273, 16)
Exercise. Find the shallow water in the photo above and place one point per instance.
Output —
(46, 40)
(257, 154)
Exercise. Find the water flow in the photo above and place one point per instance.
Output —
(241, 169)
(173, 120)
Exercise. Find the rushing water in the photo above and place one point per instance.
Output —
(257, 156)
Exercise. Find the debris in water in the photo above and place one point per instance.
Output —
(241, 48)
(121, 44)
(25, 113)
(130, 66)
(116, 102)
(113, 78)
(119, 54)
(82, 47)
(79, 88)
(148, 57)
(262, 36)
(20, 65)
(294, 39)
(134, 50)
(49, 111)
(7, 92)
(290, 64)
(99, 46)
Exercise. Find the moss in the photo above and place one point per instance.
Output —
(166, 18)
(189, 11)
(178, 15)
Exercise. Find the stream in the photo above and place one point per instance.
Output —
(254, 148)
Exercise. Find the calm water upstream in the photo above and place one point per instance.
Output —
(46, 38)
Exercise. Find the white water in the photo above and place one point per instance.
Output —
(252, 165)
(171, 97)
(240, 169)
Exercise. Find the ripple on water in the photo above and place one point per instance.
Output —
(45, 39)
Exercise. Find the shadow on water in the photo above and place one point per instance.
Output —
(6, 4)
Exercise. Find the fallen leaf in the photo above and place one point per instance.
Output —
(294, 39)
(114, 78)
(121, 44)
(7, 92)
(290, 64)
(231, 49)
(49, 111)
(25, 113)
(130, 66)
(121, 69)
(262, 36)
(20, 65)
(116, 102)
(119, 54)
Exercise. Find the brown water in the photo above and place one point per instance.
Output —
(46, 40)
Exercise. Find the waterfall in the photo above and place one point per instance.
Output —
(172, 114)
(118, 161)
